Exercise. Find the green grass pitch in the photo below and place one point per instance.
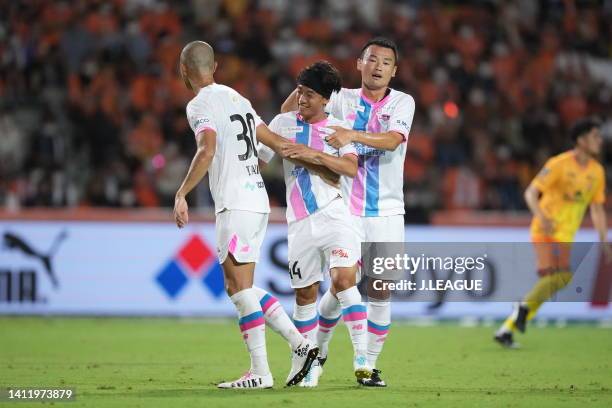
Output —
(176, 363)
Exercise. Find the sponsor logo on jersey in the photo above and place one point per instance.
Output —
(340, 253)
(200, 121)
(297, 171)
(363, 150)
(292, 129)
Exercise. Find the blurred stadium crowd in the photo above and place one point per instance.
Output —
(92, 111)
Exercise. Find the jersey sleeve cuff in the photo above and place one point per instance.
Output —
(401, 132)
(203, 128)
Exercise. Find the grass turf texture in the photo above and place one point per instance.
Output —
(176, 363)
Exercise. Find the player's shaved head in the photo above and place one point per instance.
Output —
(197, 65)
(198, 56)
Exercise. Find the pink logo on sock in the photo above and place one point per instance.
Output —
(358, 327)
(245, 336)
(381, 339)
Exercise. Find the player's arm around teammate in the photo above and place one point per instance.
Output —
(280, 145)
(344, 166)
(377, 66)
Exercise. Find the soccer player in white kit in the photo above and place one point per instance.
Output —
(320, 232)
(380, 119)
(227, 131)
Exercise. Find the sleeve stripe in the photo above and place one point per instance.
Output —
(203, 128)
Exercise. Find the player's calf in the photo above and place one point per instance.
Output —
(354, 315)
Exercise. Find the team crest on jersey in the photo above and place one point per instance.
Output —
(383, 116)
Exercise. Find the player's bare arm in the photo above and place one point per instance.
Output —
(345, 165)
(207, 144)
(271, 139)
(532, 196)
(291, 103)
(383, 141)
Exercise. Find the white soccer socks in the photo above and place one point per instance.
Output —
(329, 315)
(277, 318)
(306, 321)
(354, 315)
(379, 320)
(253, 328)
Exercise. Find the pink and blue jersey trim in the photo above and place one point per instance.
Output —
(301, 198)
(365, 188)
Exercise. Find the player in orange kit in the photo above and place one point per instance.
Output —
(558, 198)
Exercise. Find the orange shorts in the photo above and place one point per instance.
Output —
(551, 255)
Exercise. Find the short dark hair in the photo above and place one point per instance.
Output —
(583, 126)
(382, 42)
(322, 77)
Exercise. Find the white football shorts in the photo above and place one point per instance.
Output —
(240, 233)
(321, 241)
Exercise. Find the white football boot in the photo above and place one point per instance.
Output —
(249, 381)
(312, 378)
(301, 361)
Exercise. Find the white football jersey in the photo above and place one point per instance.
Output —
(306, 192)
(377, 190)
(235, 182)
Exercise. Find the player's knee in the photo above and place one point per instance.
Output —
(307, 295)
(234, 284)
(342, 282)
(231, 288)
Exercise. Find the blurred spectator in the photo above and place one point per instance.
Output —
(92, 111)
